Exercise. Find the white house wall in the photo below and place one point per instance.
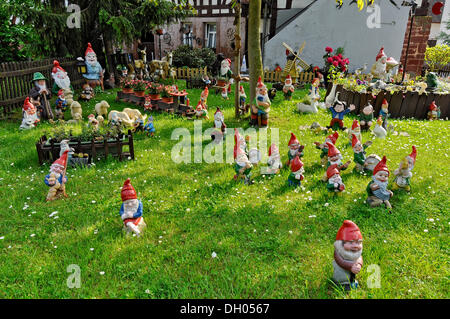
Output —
(323, 25)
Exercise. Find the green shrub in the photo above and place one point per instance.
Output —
(185, 56)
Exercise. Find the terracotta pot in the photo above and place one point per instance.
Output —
(154, 96)
(139, 93)
(127, 90)
(221, 83)
(167, 99)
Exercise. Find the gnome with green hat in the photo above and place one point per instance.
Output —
(40, 85)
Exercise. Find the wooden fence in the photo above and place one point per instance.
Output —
(15, 80)
(443, 71)
(275, 76)
(188, 73)
(408, 105)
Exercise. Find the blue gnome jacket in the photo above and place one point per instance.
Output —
(137, 214)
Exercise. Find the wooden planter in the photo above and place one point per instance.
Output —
(154, 96)
(48, 151)
(167, 100)
(127, 90)
(139, 93)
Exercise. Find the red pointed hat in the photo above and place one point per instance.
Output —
(333, 137)
(296, 164)
(349, 231)
(259, 84)
(293, 140)
(433, 106)
(218, 111)
(381, 53)
(60, 92)
(27, 105)
(57, 67)
(384, 102)
(289, 77)
(381, 166)
(354, 140)
(332, 150)
(89, 49)
(205, 91)
(237, 149)
(237, 136)
(273, 149)
(355, 124)
(128, 191)
(413, 154)
(332, 170)
(62, 161)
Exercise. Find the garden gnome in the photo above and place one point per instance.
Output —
(87, 92)
(314, 94)
(60, 78)
(377, 188)
(64, 146)
(241, 140)
(243, 167)
(260, 106)
(435, 111)
(366, 117)
(332, 138)
(288, 88)
(204, 97)
(348, 259)
(274, 161)
(149, 128)
(219, 121)
(60, 105)
(359, 153)
(225, 77)
(384, 113)
(296, 176)
(131, 210)
(379, 130)
(334, 183)
(403, 173)
(40, 85)
(93, 121)
(378, 69)
(338, 111)
(200, 111)
(335, 158)
(30, 116)
(295, 149)
(57, 178)
(355, 130)
(243, 108)
(94, 74)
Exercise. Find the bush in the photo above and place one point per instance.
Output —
(185, 56)
(437, 56)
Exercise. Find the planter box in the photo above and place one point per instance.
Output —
(48, 151)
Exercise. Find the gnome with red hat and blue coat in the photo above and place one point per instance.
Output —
(131, 210)
(57, 178)
(377, 190)
(60, 105)
(295, 149)
(296, 176)
(403, 174)
(332, 138)
(348, 259)
(94, 74)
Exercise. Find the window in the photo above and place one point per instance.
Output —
(187, 33)
(210, 35)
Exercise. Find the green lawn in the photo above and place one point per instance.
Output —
(271, 241)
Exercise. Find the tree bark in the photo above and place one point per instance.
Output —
(237, 58)
(254, 46)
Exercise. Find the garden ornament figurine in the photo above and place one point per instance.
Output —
(274, 161)
(149, 128)
(379, 130)
(243, 108)
(61, 80)
(60, 105)
(359, 153)
(260, 106)
(94, 74)
(377, 190)
(335, 158)
(40, 89)
(403, 174)
(338, 111)
(204, 97)
(432, 81)
(219, 126)
(384, 113)
(75, 111)
(200, 111)
(242, 166)
(64, 146)
(355, 130)
(102, 108)
(334, 180)
(348, 259)
(30, 116)
(225, 77)
(296, 176)
(366, 117)
(131, 210)
(332, 138)
(295, 149)
(311, 101)
(288, 88)
(378, 69)
(57, 178)
(87, 92)
(93, 121)
(434, 112)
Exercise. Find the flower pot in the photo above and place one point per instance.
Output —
(167, 99)
(154, 96)
(139, 93)
(127, 90)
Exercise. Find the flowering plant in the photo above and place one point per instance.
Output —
(335, 62)
(166, 92)
(154, 88)
(126, 84)
(139, 85)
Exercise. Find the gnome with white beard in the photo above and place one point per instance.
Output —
(260, 106)
(242, 166)
(288, 88)
(274, 161)
(41, 94)
(296, 176)
(348, 259)
(61, 82)
(378, 69)
(94, 74)
(377, 188)
(403, 173)
(334, 183)
(225, 77)
(131, 210)
(295, 149)
(30, 116)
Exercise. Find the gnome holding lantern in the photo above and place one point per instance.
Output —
(403, 173)
(288, 88)
(260, 106)
(274, 161)
(57, 178)
(242, 166)
(41, 94)
(94, 74)
(60, 105)
(377, 191)
(435, 112)
(295, 149)
(348, 259)
(332, 138)
(366, 117)
(338, 111)
(359, 153)
(378, 69)
(334, 183)
(30, 116)
(296, 176)
(61, 82)
(131, 210)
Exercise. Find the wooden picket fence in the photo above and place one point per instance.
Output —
(188, 73)
(275, 76)
(15, 80)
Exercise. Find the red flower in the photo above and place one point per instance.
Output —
(329, 49)
(344, 69)
(335, 63)
(330, 60)
(347, 61)
(340, 56)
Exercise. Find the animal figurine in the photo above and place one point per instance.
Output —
(30, 116)
(296, 176)
(378, 193)
(434, 112)
(359, 153)
(288, 88)
(242, 166)
(131, 210)
(379, 130)
(102, 108)
(100, 120)
(116, 116)
(134, 114)
(334, 158)
(260, 106)
(334, 180)
(87, 93)
(311, 101)
(57, 178)
(75, 108)
(366, 117)
(338, 112)
(76, 119)
(355, 130)
(331, 97)
(348, 261)
(332, 138)
(274, 161)
(60, 105)
(422, 87)
(295, 149)
(359, 71)
(403, 173)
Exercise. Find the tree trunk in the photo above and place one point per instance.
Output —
(237, 58)
(254, 46)
(109, 51)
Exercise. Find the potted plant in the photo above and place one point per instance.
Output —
(166, 94)
(335, 63)
(139, 87)
(127, 86)
(154, 89)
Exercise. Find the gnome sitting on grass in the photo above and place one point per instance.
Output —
(334, 183)
(403, 173)
(332, 138)
(131, 210)
(359, 153)
(348, 259)
(377, 188)
(296, 176)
